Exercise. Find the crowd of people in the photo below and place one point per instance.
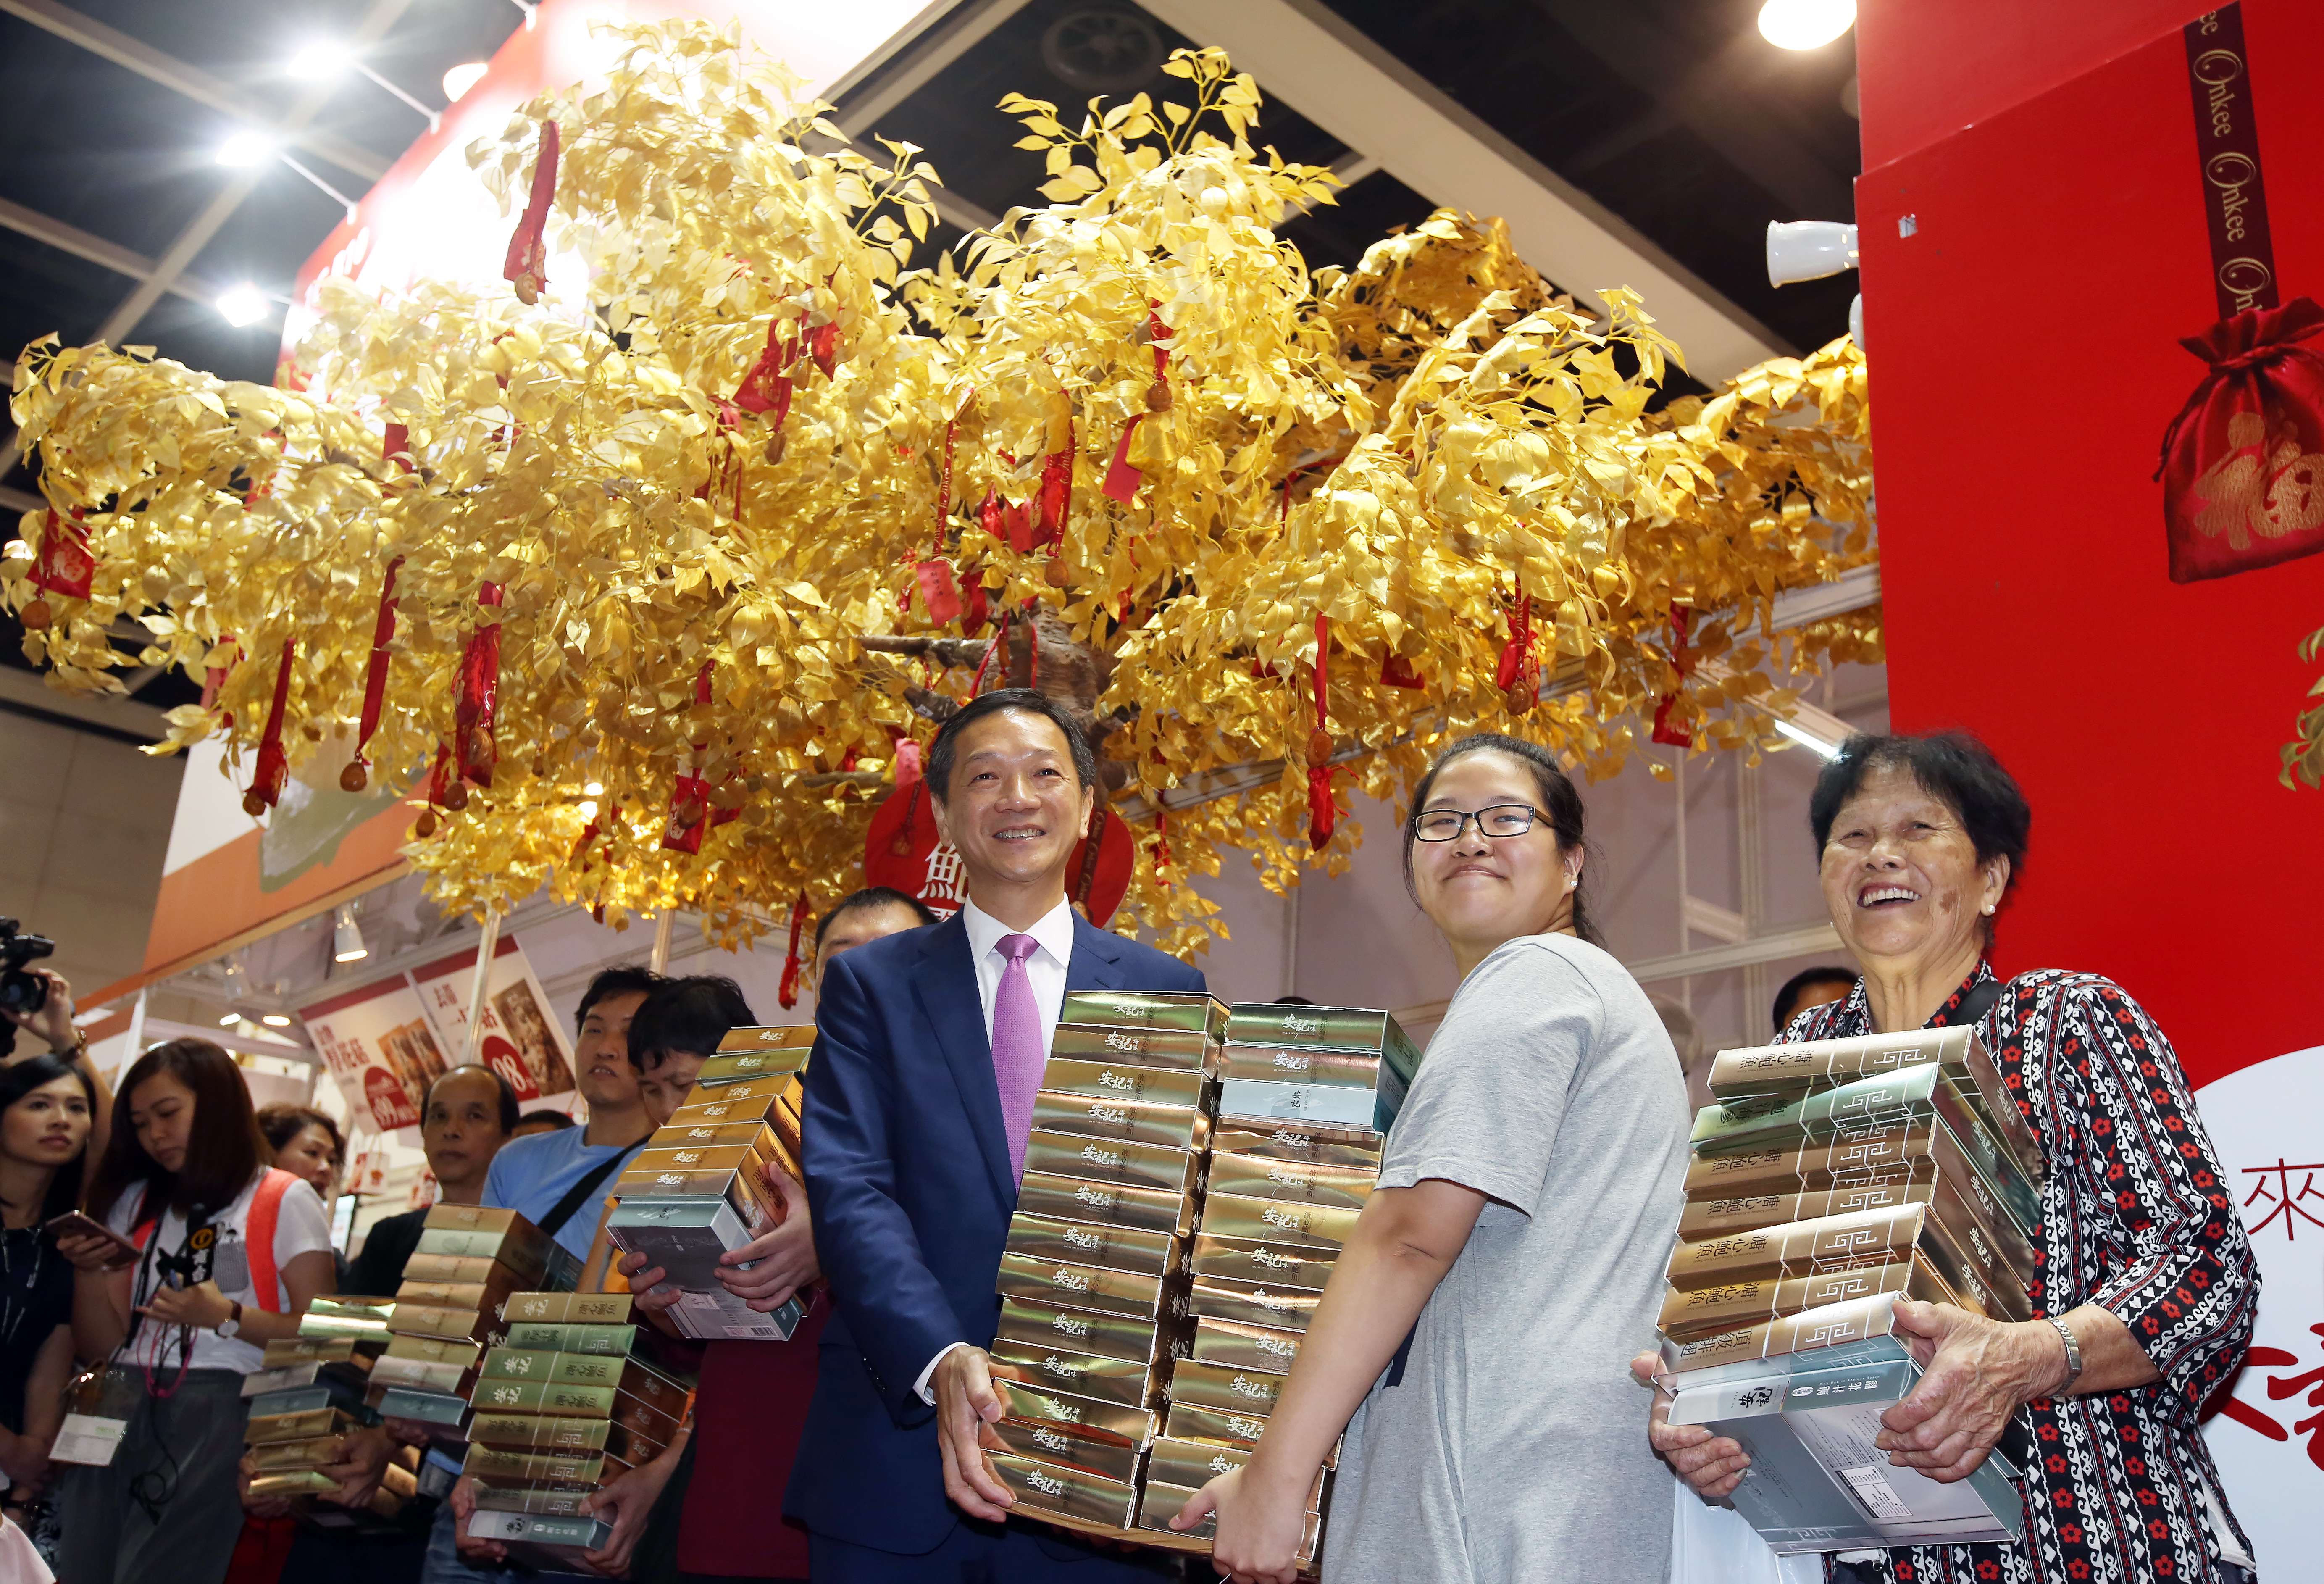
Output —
(1478, 1345)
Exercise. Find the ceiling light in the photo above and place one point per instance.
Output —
(229, 1020)
(461, 79)
(245, 148)
(346, 938)
(242, 304)
(317, 62)
(275, 1020)
(1805, 24)
(1807, 738)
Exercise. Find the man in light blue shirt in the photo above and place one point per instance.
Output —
(538, 1177)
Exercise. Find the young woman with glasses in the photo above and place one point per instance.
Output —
(1480, 1322)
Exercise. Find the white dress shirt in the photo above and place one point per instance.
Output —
(1046, 968)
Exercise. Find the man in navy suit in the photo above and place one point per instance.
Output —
(918, 1099)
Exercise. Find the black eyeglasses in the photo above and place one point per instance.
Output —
(1500, 821)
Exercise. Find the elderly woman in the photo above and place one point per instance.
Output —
(2146, 1279)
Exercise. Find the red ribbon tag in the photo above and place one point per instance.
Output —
(939, 589)
(1322, 814)
(64, 566)
(1666, 734)
(274, 768)
(1122, 480)
(526, 263)
(480, 679)
(382, 633)
(823, 345)
(1517, 664)
(907, 763)
(1056, 498)
(787, 994)
(688, 817)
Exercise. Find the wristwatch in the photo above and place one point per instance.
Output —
(231, 1327)
(2073, 1356)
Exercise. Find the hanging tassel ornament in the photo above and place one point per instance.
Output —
(527, 264)
(1323, 814)
(473, 751)
(1122, 480)
(273, 769)
(787, 994)
(357, 776)
(938, 587)
(64, 567)
(1517, 676)
(1667, 733)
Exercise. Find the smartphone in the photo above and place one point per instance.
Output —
(74, 1224)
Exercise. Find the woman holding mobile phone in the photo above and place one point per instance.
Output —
(46, 1106)
(230, 1253)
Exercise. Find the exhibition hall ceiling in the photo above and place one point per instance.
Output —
(1670, 131)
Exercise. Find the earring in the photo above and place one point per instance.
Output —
(1572, 881)
(1989, 910)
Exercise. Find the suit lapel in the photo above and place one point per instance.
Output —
(946, 989)
(1096, 962)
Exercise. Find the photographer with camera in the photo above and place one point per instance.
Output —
(204, 1254)
(38, 1001)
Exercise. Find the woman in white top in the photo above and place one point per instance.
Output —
(1509, 1263)
(229, 1252)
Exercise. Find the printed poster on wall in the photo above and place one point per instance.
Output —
(381, 1049)
(521, 1040)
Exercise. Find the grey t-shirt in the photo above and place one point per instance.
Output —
(1509, 1444)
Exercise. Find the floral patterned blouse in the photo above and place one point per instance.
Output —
(2135, 1218)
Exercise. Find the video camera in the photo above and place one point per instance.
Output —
(22, 992)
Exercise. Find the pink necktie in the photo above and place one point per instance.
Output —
(1018, 1057)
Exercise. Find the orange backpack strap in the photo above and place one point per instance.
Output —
(258, 1238)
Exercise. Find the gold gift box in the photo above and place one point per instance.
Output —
(500, 1464)
(770, 1036)
(1051, 1442)
(1270, 1220)
(1702, 1311)
(1211, 1385)
(527, 1498)
(429, 1320)
(353, 1319)
(1250, 1303)
(1053, 1489)
(1969, 1264)
(1261, 1264)
(356, 1353)
(1321, 1143)
(632, 1375)
(1193, 1011)
(1235, 1346)
(708, 1135)
(1130, 1382)
(1184, 1087)
(724, 1108)
(1254, 1176)
(1192, 1422)
(1163, 1501)
(571, 1308)
(1191, 1049)
(1828, 1325)
(1714, 1218)
(1119, 1204)
(1035, 1324)
(1095, 1117)
(292, 1482)
(482, 1275)
(1113, 1160)
(606, 1340)
(1190, 1464)
(1115, 1422)
(1087, 1287)
(539, 1433)
(529, 1263)
(477, 1296)
(1125, 1249)
(274, 1456)
(1276, 1063)
(308, 1424)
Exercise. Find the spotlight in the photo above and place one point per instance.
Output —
(229, 1020)
(316, 63)
(346, 938)
(275, 1020)
(1808, 249)
(1805, 24)
(461, 79)
(242, 306)
(245, 148)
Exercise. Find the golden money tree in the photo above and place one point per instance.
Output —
(639, 589)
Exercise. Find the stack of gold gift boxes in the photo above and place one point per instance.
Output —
(1832, 1179)
(1306, 1096)
(469, 1262)
(698, 1188)
(564, 1404)
(1094, 1275)
(308, 1394)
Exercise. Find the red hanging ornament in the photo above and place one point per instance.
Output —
(787, 994)
(997, 647)
(1057, 497)
(907, 763)
(273, 769)
(823, 345)
(688, 815)
(395, 446)
(1518, 676)
(526, 263)
(357, 774)
(1667, 733)
(64, 566)
(1122, 480)
(1322, 814)
(938, 590)
(473, 715)
(1396, 671)
(1161, 841)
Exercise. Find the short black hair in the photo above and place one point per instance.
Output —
(509, 1112)
(869, 897)
(1024, 701)
(1784, 1008)
(554, 1120)
(281, 1123)
(1952, 767)
(626, 979)
(1559, 800)
(690, 1014)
